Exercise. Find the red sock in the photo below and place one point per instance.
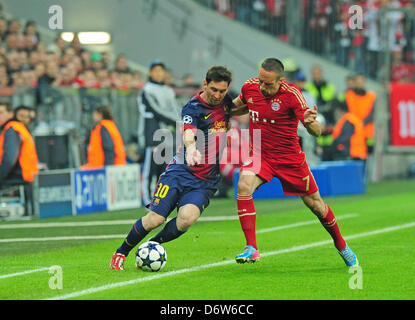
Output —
(247, 218)
(330, 224)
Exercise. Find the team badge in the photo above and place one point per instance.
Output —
(275, 106)
(187, 119)
(156, 202)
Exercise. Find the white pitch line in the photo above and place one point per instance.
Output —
(98, 223)
(222, 263)
(97, 237)
(22, 273)
(119, 236)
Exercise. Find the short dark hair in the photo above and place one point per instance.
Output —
(273, 65)
(7, 104)
(22, 107)
(105, 111)
(218, 74)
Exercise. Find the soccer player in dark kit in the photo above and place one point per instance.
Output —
(275, 108)
(192, 177)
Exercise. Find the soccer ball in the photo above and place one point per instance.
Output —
(151, 256)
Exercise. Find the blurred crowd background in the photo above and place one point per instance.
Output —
(323, 27)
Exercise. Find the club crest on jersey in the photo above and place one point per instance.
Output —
(275, 106)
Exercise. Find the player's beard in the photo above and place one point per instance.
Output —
(268, 94)
(265, 94)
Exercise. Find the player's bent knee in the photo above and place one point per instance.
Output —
(152, 220)
(187, 216)
(244, 187)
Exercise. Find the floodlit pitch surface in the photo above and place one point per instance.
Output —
(68, 257)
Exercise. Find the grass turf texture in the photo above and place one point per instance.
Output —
(315, 273)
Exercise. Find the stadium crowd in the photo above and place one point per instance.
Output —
(326, 31)
(25, 60)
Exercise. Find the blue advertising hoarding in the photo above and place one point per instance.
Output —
(90, 191)
(53, 193)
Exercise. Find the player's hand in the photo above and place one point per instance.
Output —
(310, 115)
(193, 156)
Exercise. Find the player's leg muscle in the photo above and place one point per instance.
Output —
(152, 220)
(248, 182)
(187, 216)
(316, 204)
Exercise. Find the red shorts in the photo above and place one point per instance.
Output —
(295, 176)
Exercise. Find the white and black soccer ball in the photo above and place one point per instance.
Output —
(151, 256)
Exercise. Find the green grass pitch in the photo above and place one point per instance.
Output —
(298, 259)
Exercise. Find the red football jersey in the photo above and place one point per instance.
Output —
(277, 117)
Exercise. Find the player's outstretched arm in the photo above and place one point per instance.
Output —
(193, 156)
(310, 121)
(239, 108)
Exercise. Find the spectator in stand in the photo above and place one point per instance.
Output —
(316, 25)
(34, 59)
(348, 136)
(121, 64)
(76, 45)
(86, 59)
(257, 14)
(323, 91)
(76, 61)
(97, 62)
(29, 78)
(224, 7)
(401, 71)
(51, 75)
(89, 79)
(103, 77)
(3, 28)
(361, 102)
(243, 11)
(106, 146)
(11, 42)
(13, 26)
(31, 33)
(342, 34)
(13, 62)
(58, 47)
(67, 77)
(40, 70)
(18, 157)
(276, 12)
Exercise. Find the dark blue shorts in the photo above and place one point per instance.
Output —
(177, 187)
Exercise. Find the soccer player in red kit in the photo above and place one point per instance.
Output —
(275, 108)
